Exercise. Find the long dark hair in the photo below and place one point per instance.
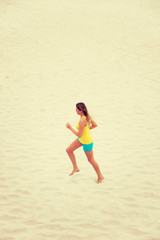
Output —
(82, 107)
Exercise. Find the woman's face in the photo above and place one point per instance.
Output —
(78, 111)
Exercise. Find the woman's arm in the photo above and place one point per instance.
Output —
(81, 128)
(93, 124)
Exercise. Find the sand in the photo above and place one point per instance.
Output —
(54, 54)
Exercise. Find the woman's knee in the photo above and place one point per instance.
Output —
(68, 150)
(90, 160)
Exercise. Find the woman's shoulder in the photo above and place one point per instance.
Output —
(83, 121)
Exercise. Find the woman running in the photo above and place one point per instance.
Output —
(84, 139)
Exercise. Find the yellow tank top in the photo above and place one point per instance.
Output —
(86, 135)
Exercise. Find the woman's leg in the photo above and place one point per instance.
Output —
(90, 158)
(76, 144)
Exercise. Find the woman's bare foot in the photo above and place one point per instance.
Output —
(74, 170)
(100, 179)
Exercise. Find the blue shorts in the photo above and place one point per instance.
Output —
(87, 147)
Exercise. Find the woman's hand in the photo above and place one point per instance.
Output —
(68, 125)
(93, 124)
(72, 130)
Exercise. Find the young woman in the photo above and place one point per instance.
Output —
(84, 139)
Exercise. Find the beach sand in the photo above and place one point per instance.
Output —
(54, 54)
